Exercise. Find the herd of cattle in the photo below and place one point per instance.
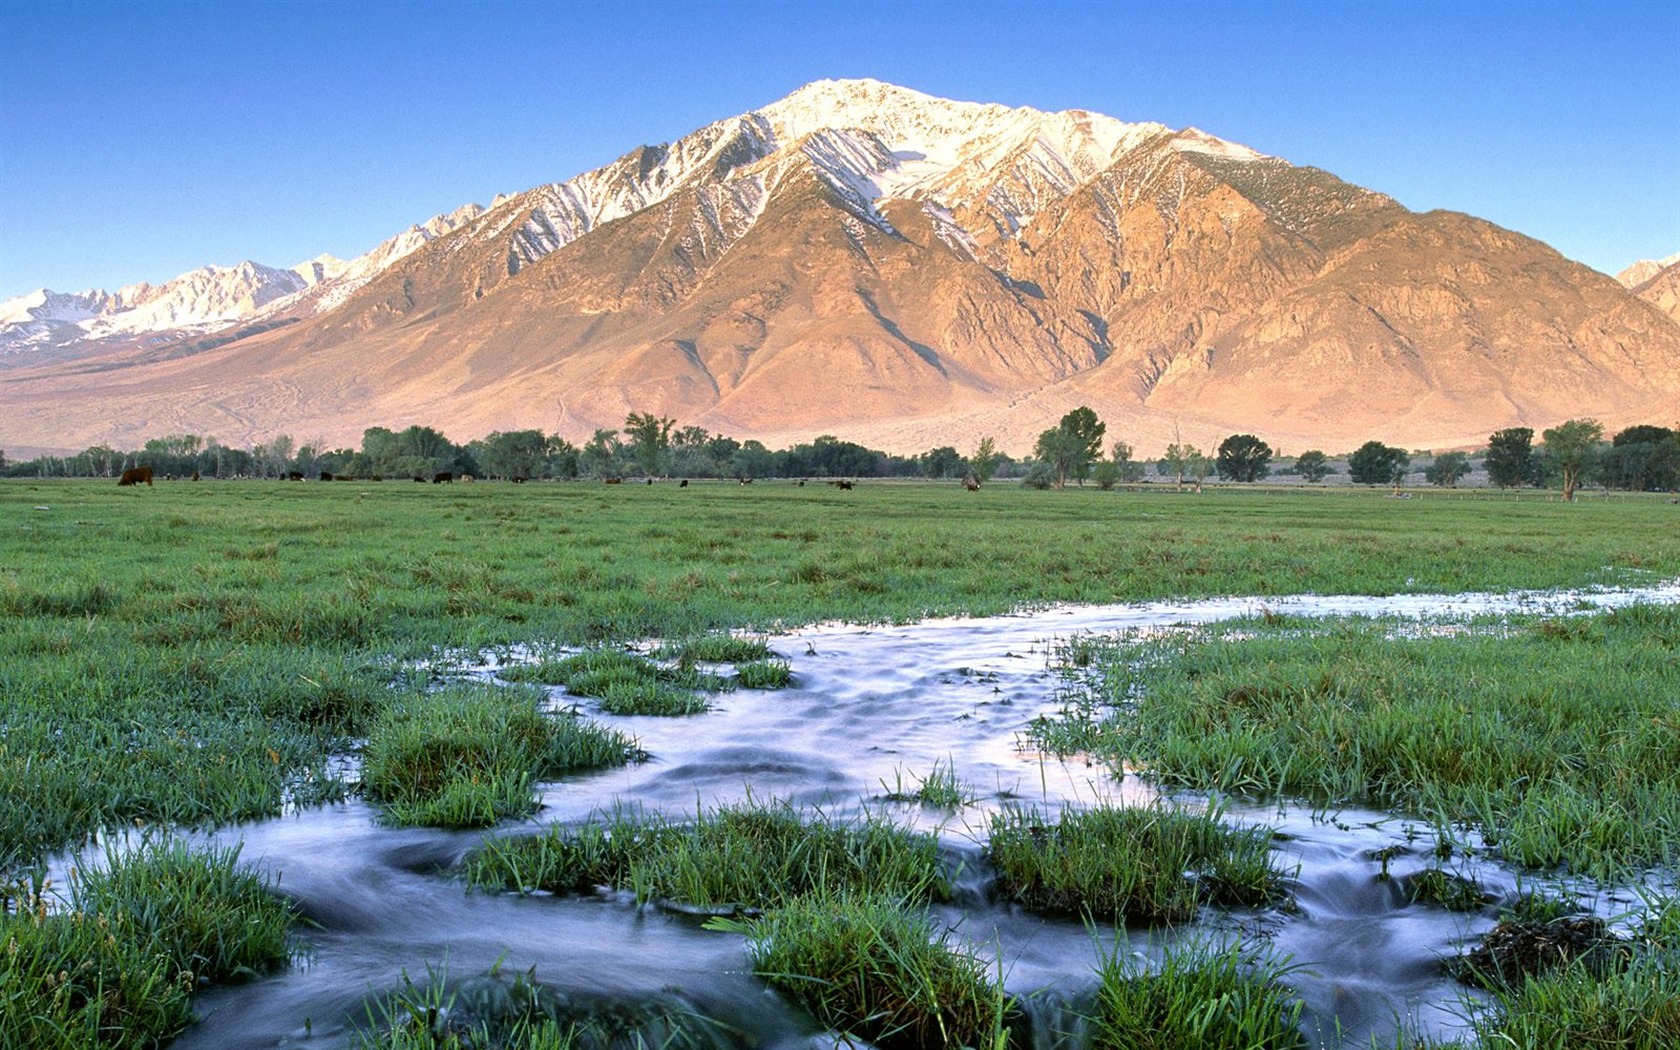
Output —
(144, 475)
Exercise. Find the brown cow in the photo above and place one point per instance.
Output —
(612, 481)
(846, 485)
(443, 476)
(683, 484)
(971, 483)
(135, 475)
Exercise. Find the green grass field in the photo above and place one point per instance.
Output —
(193, 654)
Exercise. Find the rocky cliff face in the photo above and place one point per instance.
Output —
(864, 260)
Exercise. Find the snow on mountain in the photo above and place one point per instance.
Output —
(1644, 270)
(207, 295)
(868, 141)
(44, 305)
(320, 269)
(362, 269)
(980, 170)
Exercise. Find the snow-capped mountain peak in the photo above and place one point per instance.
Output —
(45, 305)
(1644, 270)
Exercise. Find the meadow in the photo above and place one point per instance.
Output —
(196, 654)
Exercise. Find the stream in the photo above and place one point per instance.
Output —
(870, 708)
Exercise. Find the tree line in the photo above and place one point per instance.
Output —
(1642, 458)
(1575, 453)
(647, 446)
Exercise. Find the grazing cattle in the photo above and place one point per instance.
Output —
(293, 475)
(135, 475)
(326, 475)
(801, 482)
(971, 483)
(744, 481)
(846, 485)
(195, 475)
(650, 481)
(612, 481)
(420, 479)
(466, 477)
(443, 476)
(683, 484)
(519, 479)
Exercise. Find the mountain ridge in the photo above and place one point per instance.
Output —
(863, 259)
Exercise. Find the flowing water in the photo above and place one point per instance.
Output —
(870, 708)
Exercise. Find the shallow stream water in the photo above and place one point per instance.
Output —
(869, 709)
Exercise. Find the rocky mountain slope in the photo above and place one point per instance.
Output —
(1644, 270)
(865, 260)
(1662, 289)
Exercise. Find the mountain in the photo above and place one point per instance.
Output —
(1644, 270)
(869, 261)
(1662, 289)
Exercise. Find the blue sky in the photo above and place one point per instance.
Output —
(138, 141)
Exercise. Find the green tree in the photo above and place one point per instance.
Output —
(1126, 468)
(1447, 470)
(514, 454)
(1244, 457)
(1570, 449)
(1172, 463)
(650, 436)
(1087, 432)
(984, 462)
(1510, 457)
(1375, 463)
(753, 460)
(600, 455)
(1105, 473)
(1643, 458)
(1060, 450)
(1312, 465)
(560, 458)
(1197, 467)
(274, 457)
(943, 462)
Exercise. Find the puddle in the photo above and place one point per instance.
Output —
(870, 710)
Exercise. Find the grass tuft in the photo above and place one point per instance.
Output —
(467, 756)
(1200, 996)
(1443, 888)
(626, 683)
(865, 966)
(145, 930)
(764, 674)
(1151, 864)
(718, 649)
(498, 1012)
(940, 788)
(747, 856)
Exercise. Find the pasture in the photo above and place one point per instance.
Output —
(194, 654)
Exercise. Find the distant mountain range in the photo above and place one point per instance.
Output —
(868, 261)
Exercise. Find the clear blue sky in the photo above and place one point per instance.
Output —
(140, 140)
